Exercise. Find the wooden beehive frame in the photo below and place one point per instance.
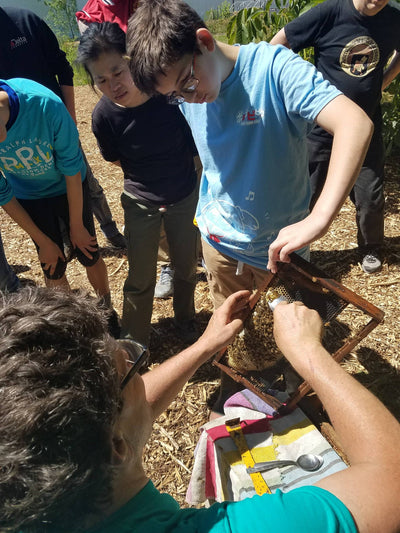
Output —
(307, 273)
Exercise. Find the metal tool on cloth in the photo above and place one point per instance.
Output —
(235, 431)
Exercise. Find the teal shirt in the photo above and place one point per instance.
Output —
(303, 510)
(41, 148)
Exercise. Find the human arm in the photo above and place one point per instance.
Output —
(280, 38)
(49, 252)
(352, 130)
(80, 237)
(368, 432)
(164, 382)
(392, 70)
(69, 99)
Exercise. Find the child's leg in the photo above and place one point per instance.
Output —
(183, 242)
(47, 214)
(142, 231)
(98, 277)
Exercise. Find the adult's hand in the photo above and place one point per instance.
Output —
(226, 322)
(297, 332)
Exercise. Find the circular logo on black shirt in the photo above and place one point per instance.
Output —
(360, 56)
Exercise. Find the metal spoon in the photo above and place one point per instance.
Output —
(308, 461)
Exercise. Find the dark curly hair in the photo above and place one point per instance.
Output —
(59, 399)
(159, 34)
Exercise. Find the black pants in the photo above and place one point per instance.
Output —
(367, 194)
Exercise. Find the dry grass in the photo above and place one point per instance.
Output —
(376, 361)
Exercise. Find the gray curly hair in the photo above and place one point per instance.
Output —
(59, 398)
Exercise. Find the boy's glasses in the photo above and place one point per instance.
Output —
(138, 356)
(188, 87)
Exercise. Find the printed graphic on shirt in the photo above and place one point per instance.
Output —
(224, 219)
(14, 43)
(30, 157)
(250, 117)
(360, 56)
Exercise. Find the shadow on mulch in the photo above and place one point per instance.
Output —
(109, 251)
(380, 378)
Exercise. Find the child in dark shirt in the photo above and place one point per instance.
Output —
(151, 142)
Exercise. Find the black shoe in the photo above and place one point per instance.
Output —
(371, 262)
(188, 331)
(117, 241)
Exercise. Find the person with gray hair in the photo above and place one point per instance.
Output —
(75, 416)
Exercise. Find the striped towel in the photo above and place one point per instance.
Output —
(219, 473)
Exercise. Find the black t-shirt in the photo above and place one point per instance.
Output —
(29, 49)
(154, 144)
(351, 49)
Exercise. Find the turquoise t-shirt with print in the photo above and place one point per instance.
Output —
(41, 148)
(300, 511)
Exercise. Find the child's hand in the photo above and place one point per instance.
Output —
(295, 237)
(49, 254)
(81, 238)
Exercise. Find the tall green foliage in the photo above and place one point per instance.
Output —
(256, 24)
(61, 18)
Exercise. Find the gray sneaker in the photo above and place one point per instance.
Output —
(165, 285)
(371, 262)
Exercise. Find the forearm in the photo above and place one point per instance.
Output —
(75, 199)
(357, 416)
(167, 380)
(392, 71)
(352, 130)
(15, 210)
(280, 38)
(69, 99)
(164, 382)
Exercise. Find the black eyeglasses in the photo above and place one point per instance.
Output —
(138, 356)
(188, 88)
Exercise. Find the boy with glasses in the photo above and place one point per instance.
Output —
(258, 104)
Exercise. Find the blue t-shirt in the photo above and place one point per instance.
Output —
(252, 143)
(41, 148)
(300, 511)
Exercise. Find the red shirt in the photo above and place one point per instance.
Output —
(117, 11)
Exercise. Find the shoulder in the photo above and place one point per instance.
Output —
(21, 15)
(33, 90)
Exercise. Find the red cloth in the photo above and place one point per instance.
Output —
(117, 11)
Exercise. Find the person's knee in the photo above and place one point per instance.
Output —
(59, 271)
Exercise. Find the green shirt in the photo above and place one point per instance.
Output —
(306, 509)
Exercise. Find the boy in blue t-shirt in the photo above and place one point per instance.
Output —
(43, 186)
(250, 109)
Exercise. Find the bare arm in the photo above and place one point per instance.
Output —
(165, 381)
(69, 99)
(351, 129)
(370, 435)
(280, 38)
(80, 237)
(49, 252)
(392, 71)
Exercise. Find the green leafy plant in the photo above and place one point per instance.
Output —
(255, 24)
(391, 117)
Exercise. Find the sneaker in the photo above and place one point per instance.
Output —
(165, 285)
(371, 262)
(188, 331)
(117, 241)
